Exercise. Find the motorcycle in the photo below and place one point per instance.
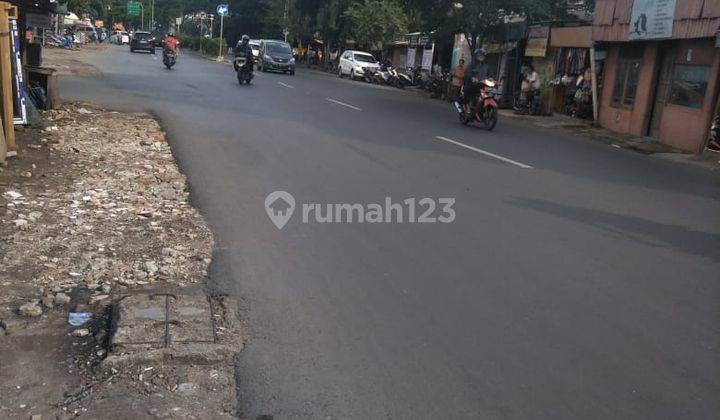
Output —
(529, 105)
(483, 109)
(393, 78)
(169, 59)
(380, 77)
(405, 80)
(369, 75)
(244, 69)
(437, 84)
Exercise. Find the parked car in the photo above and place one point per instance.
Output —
(276, 56)
(120, 37)
(356, 63)
(142, 41)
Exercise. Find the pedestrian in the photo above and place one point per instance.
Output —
(333, 59)
(71, 36)
(457, 80)
(714, 136)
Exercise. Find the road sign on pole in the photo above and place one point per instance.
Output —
(133, 8)
(222, 11)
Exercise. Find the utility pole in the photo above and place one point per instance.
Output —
(142, 15)
(6, 92)
(222, 16)
(222, 10)
(212, 19)
(285, 20)
(152, 15)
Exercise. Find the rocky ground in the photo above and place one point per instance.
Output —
(94, 209)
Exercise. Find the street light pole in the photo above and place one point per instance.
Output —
(152, 15)
(221, 37)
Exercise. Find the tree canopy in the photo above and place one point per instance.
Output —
(373, 23)
(369, 22)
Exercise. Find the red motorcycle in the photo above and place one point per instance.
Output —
(482, 109)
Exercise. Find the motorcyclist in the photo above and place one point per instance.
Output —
(170, 44)
(242, 49)
(474, 75)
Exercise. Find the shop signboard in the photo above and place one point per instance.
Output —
(651, 19)
(537, 41)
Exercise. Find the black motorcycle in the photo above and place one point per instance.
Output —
(527, 104)
(244, 69)
(169, 59)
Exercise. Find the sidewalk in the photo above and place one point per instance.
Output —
(587, 129)
(95, 220)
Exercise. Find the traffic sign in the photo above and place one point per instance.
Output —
(222, 9)
(133, 8)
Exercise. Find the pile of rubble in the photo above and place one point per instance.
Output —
(109, 211)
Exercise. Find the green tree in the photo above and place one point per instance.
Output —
(376, 22)
(477, 18)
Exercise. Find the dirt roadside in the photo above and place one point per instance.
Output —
(72, 62)
(103, 264)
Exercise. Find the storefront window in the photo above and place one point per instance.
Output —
(689, 84)
(627, 77)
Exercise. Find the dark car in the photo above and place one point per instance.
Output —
(276, 56)
(157, 39)
(142, 41)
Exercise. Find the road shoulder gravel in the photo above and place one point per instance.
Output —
(95, 217)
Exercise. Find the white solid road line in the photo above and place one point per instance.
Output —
(483, 152)
(286, 85)
(343, 104)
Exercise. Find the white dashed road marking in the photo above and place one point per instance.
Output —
(286, 85)
(483, 152)
(343, 104)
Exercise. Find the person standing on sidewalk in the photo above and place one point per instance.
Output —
(457, 80)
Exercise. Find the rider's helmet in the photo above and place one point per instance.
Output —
(480, 54)
(171, 32)
(245, 39)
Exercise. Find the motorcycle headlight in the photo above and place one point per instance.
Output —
(292, 60)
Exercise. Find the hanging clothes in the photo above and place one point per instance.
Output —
(571, 61)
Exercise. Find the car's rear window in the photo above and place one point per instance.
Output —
(278, 47)
(142, 36)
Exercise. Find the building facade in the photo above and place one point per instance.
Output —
(661, 68)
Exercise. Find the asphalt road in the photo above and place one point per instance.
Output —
(583, 287)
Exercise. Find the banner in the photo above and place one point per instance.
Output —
(461, 50)
(537, 41)
(652, 19)
(427, 57)
(410, 61)
(18, 85)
